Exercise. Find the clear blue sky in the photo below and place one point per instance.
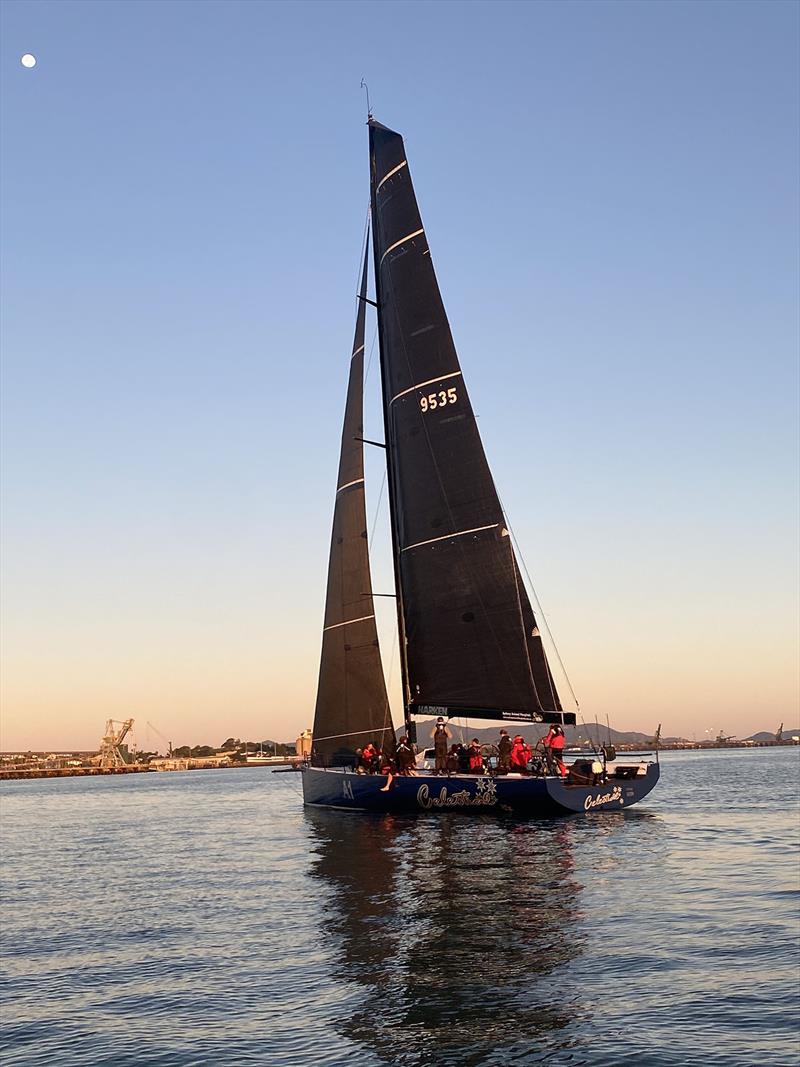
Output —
(611, 195)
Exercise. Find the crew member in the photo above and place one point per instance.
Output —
(475, 757)
(440, 735)
(454, 758)
(554, 743)
(368, 757)
(405, 757)
(504, 746)
(386, 766)
(520, 754)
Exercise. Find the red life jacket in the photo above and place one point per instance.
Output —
(520, 754)
(475, 760)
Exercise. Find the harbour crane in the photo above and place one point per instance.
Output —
(779, 734)
(110, 755)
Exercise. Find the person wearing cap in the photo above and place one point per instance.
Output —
(440, 735)
(504, 747)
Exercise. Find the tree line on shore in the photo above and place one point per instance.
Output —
(233, 747)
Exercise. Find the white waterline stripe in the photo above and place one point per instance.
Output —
(394, 170)
(459, 533)
(391, 248)
(347, 485)
(430, 381)
(347, 622)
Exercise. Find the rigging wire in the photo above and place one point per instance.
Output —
(378, 507)
(371, 353)
(591, 739)
(463, 729)
(362, 253)
(537, 601)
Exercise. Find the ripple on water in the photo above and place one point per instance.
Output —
(207, 919)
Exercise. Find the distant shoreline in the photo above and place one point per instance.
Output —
(37, 774)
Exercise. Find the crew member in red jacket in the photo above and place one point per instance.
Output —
(520, 754)
(554, 742)
(475, 757)
(368, 758)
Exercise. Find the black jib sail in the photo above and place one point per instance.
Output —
(470, 638)
(352, 706)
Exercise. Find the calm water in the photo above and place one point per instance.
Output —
(207, 918)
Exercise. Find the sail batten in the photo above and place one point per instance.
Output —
(446, 537)
(467, 622)
(352, 706)
(430, 381)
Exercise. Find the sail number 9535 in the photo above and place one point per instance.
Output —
(438, 400)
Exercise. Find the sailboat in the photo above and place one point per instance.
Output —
(469, 643)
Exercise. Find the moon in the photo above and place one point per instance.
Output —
(28, 60)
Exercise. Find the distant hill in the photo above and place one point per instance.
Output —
(769, 735)
(575, 735)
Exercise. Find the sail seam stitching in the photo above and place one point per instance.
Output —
(394, 170)
(458, 533)
(359, 349)
(391, 248)
(347, 622)
(430, 381)
(356, 481)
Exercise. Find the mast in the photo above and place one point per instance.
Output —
(410, 725)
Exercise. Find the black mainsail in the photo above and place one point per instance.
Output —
(352, 706)
(469, 640)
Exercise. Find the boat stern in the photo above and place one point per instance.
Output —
(625, 787)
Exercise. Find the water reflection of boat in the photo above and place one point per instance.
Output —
(455, 941)
(469, 642)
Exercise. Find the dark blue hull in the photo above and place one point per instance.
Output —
(533, 797)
